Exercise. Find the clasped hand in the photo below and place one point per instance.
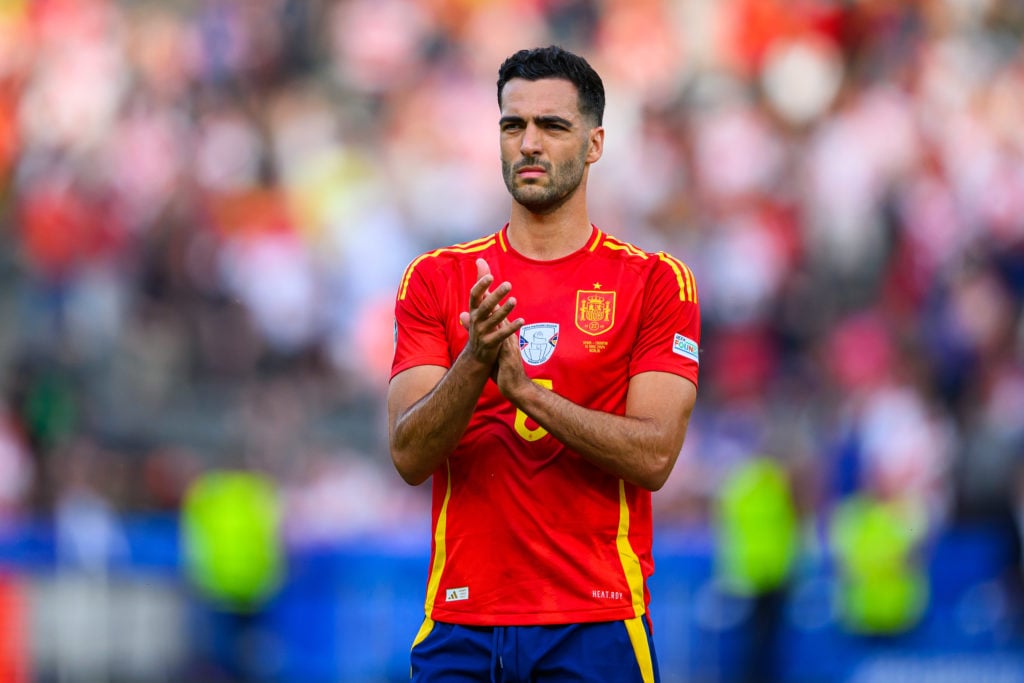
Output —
(492, 336)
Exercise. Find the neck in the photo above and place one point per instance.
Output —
(545, 237)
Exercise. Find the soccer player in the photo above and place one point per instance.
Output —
(544, 433)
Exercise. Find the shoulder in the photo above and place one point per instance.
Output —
(440, 264)
(658, 268)
(678, 274)
(612, 247)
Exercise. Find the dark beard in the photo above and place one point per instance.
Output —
(564, 181)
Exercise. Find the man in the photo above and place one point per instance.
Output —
(545, 433)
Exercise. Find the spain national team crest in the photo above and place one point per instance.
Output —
(595, 311)
(537, 342)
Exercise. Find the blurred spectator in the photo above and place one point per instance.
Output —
(17, 471)
(234, 560)
(757, 545)
(89, 533)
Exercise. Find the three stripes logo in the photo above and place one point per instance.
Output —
(456, 594)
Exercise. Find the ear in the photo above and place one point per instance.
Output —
(595, 146)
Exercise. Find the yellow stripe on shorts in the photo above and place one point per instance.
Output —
(642, 649)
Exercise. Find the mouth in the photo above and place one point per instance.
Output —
(531, 172)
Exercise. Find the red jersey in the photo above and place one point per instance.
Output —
(525, 530)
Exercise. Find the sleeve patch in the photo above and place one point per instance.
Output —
(686, 347)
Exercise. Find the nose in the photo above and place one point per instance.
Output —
(531, 141)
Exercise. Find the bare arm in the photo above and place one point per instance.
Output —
(428, 410)
(640, 446)
(429, 407)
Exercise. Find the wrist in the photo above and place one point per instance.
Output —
(519, 391)
(474, 365)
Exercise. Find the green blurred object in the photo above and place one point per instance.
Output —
(882, 589)
(230, 527)
(757, 527)
(50, 410)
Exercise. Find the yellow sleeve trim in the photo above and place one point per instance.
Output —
(464, 248)
(617, 245)
(684, 276)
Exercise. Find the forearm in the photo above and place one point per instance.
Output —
(425, 434)
(637, 449)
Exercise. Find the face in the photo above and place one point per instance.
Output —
(546, 143)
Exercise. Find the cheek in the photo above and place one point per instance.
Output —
(508, 147)
(572, 166)
(508, 157)
(506, 168)
(589, 152)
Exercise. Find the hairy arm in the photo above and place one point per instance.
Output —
(429, 406)
(428, 410)
(641, 446)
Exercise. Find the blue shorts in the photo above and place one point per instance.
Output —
(613, 651)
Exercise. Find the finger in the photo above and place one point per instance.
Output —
(464, 319)
(508, 351)
(509, 345)
(483, 280)
(491, 306)
(502, 331)
(494, 297)
(513, 328)
(498, 314)
(482, 268)
(479, 290)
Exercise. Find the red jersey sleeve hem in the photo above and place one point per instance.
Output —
(689, 373)
(442, 361)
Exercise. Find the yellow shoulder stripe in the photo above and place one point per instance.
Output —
(617, 245)
(684, 276)
(464, 248)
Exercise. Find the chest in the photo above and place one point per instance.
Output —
(581, 318)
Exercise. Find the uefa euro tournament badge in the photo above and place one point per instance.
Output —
(537, 342)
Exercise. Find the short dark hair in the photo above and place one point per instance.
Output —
(556, 62)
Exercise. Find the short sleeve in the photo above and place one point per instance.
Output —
(668, 339)
(420, 336)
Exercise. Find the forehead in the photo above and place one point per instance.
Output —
(547, 96)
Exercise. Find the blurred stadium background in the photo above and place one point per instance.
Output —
(205, 207)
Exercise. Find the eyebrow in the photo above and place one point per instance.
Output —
(536, 119)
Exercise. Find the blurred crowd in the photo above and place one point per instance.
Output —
(206, 205)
